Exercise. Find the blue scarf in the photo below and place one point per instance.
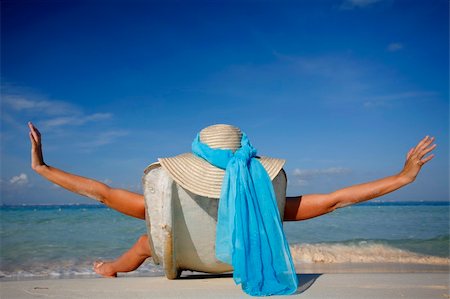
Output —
(249, 231)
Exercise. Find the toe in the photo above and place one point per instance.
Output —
(100, 270)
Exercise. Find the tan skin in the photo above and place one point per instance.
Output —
(297, 208)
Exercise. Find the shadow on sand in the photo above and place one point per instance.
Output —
(305, 281)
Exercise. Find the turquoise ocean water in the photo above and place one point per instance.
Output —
(64, 241)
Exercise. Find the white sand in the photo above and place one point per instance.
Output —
(356, 285)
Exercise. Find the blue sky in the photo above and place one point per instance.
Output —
(340, 89)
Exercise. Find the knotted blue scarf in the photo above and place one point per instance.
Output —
(249, 232)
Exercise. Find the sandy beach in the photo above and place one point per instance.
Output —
(349, 285)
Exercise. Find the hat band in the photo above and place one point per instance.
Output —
(249, 232)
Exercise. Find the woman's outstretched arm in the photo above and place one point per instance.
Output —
(124, 201)
(313, 205)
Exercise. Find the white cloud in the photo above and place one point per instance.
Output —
(298, 182)
(352, 4)
(326, 66)
(27, 104)
(103, 138)
(23, 103)
(312, 173)
(74, 120)
(389, 99)
(303, 177)
(10, 120)
(393, 47)
(19, 180)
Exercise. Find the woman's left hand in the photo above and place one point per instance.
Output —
(37, 159)
(415, 158)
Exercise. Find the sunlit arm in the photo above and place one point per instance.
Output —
(124, 201)
(313, 205)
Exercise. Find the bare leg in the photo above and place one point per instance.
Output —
(126, 202)
(313, 205)
(128, 262)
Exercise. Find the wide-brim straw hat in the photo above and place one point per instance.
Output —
(199, 176)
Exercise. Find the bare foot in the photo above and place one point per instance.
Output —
(104, 269)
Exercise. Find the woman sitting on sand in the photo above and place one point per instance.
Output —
(297, 208)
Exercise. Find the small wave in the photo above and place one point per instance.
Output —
(355, 251)
(360, 252)
(67, 269)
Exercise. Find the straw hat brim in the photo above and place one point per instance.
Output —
(200, 177)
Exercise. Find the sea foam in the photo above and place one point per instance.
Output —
(361, 252)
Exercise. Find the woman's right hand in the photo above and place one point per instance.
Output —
(37, 159)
